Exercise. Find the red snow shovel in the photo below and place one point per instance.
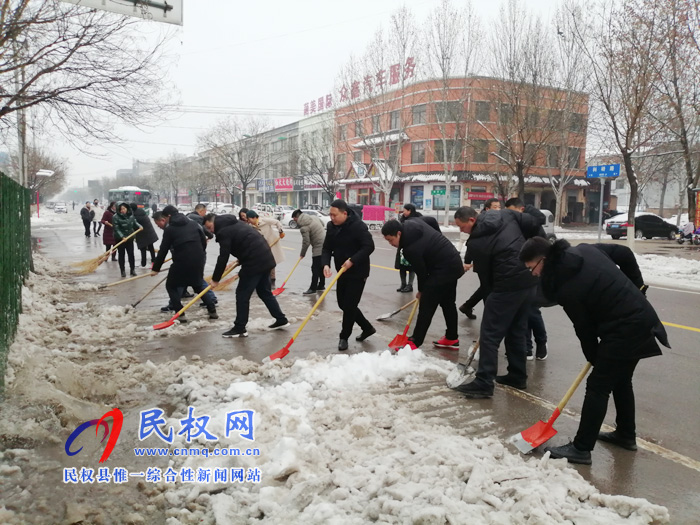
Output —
(171, 321)
(398, 342)
(541, 432)
(279, 290)
(284, 351)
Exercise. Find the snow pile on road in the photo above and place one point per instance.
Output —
(670, 271)
(343, 438)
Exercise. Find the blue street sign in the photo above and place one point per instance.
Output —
(608, 170)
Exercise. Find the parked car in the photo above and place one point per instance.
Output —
(280, 211)
(60, 207)
(288, 221)
(226, 207)
(646, 226)
(316, 207)
(265, 210)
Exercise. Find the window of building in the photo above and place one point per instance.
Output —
(505, 114)
(340, 165)
(376, 123)
(478, 189)
(417, 196)
(394, 120)
(552, 156)
(576, 123)
(503, 154)
(574, 157)
(556, 119)
(439, 200)
(303, 167)
(452, 111)
(342, 135)
(364, 196)
(418, 153)
(452, 154)
(483, 111)
(359, 129)
(530, 155)
(532, 117)
(620, 183)
(418, 114)
(481, 150)
(357, 156)
(394, 154)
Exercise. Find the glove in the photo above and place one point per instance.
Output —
(644, 289)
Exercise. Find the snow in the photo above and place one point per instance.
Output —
(343, 438)
(670, 271)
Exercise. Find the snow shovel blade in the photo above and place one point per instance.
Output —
(531, 438)
(398, 342)
(165, 324)
(278, 291)
(459, 375)
(277, 355)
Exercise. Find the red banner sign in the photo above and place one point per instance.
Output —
(479, 195)
(284, 184)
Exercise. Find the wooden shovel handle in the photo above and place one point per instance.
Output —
(573, 387)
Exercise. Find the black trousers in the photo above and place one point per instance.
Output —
(444, 296)
(96, 226)
(608, 375)
(505, 317)
(128, 248)
(260, 283)
(318, 281)
(151, 249)
(477, 296)
(198, 284)
(86, 223)
(349, 293)
(535, 326)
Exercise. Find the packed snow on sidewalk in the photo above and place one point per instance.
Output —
(670, 271)
(342, 439)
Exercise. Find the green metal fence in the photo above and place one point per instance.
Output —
(15, 260)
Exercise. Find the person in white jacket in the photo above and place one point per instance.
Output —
(271, 229)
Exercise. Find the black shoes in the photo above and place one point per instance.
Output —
(365, 335)
(530, 356)
(132, 273)
(213, 314)
(541, 352)
(469, 312)
(310, 291)
(279, 323)
(167, 309)
(474, 391)
(187, 295)
(615, 439)
(508, 380)
(571, 453)
(342, 344)
(406, 288)
(204, 305)
(123, 273)
(321, 289)
(235, 332)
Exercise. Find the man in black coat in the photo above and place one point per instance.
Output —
(256, 260)
(438, 267)
(616, 326)
(86, 214)
(147, 236)
(200, 211)
(188, 244)
(494, 244)
(350, 244)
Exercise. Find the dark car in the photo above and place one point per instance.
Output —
(646, 226)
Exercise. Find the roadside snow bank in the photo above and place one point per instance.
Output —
(670, 271)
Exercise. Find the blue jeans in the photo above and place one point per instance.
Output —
(535, 326)
(260, 283)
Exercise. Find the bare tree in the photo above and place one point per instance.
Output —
(171, 173)
(452, 43)
(199, 178)
(237, 152)
(317, 154)
(376, 98)
(79, 68)
(622, 44)
(40, 159)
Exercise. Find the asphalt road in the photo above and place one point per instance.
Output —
(666, 469)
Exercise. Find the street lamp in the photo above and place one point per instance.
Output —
(41, 173)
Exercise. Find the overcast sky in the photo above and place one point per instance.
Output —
(274, 55)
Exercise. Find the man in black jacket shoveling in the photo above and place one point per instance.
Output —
(256, 260)
(350, 244)
(495, 239)
(188, 244)
(438, 267)
(616, 326)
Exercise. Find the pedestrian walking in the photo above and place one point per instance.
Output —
(124, 225)
(312, 235)
(350, 244)
(154, 207)
(237, 239)
(495, 239)
(271, 229)
(616, 327)
(146, 237)
(438, 266)
(186, 241)
(97, 212)
(108, 234)
(86, 214)
(468, 307)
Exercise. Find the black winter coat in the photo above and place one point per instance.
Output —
(243, 242)
(432, 256)
(494, 246)
(612, 318)
(623, 257)
(196, 217)
(148, 235)
(430, 221)
(187, 242)
(351, 240)
(86, 214)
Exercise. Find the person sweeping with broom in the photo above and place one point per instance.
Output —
(124, 225)
(616, 326)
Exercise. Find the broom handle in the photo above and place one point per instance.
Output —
(406, 305)
(107, 254)
(410, 317)
(320, 300)
(125, 280)
(149, 291)
(201, 294)
(290, 273)
(573, 387)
